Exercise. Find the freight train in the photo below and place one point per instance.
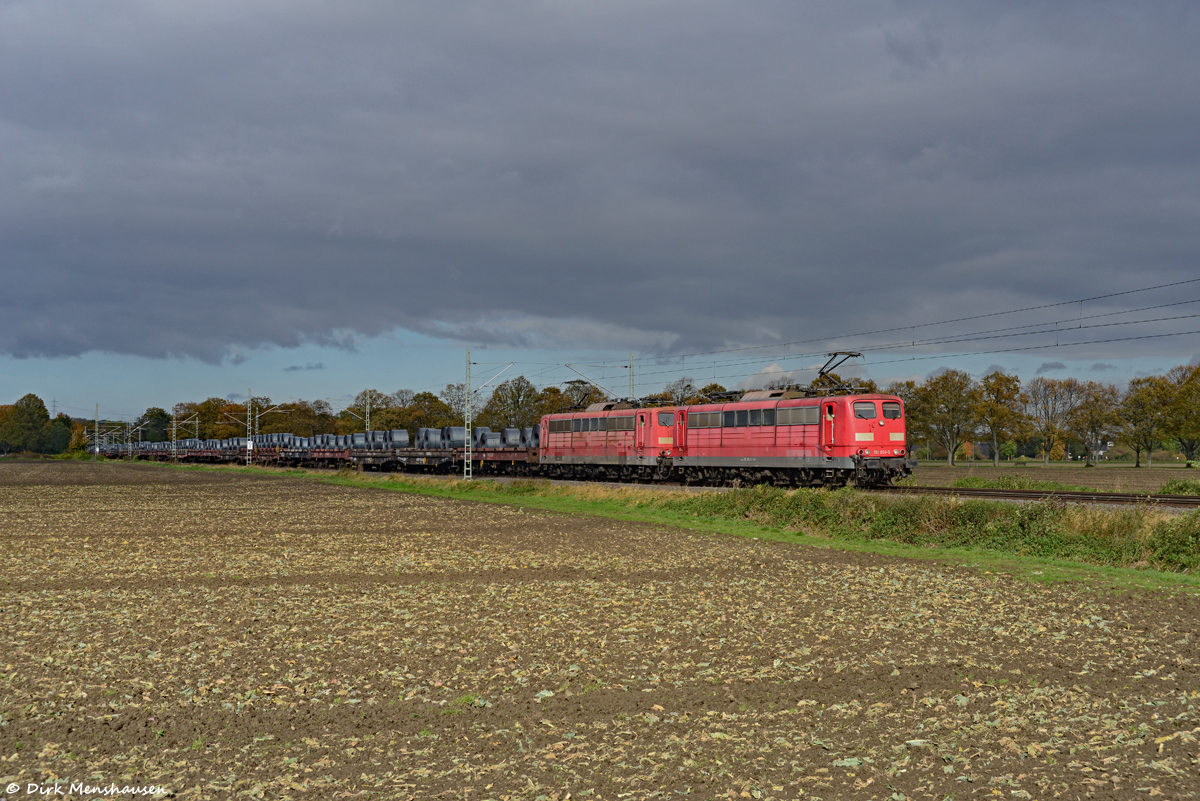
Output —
(782, 437)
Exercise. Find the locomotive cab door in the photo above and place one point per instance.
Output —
(639, 433)
(681, 432)
(827, 427)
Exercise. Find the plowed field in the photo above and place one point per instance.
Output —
(224, 634)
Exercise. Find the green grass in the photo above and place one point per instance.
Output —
(1124, 548)
(1011, 482)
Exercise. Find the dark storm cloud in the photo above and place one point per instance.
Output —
(200, 179)
(1050, 367)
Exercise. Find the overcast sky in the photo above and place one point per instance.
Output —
(316, 197)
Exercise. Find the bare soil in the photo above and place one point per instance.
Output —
(1104, 478)
(227, 634)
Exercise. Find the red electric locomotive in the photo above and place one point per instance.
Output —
(770, 436)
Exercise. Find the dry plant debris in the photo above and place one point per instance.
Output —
(228, 635)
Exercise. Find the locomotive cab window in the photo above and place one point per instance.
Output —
(666, 418)
(891, 410)
(865, 410)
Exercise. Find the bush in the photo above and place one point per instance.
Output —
(1181, 486)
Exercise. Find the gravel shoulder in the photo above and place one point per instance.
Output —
(226, 634)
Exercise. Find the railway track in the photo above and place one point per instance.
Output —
(1071, 496)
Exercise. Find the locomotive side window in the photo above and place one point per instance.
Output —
(603, 423)
(742, 418)
(768, 417)
(756, 417)
(575, 424)
(865, 410)
(891, 410)
(729, 419)
(799, 416)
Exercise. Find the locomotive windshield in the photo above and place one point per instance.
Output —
(865, 410)
(891, 410)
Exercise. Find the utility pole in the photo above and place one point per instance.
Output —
(249, 425)
(97, 437)
(368, 421)
(467, 421)
(632, 394)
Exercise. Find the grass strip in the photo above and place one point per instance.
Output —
(1010, 482)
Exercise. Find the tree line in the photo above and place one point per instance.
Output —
(25, 426)
(953, 409)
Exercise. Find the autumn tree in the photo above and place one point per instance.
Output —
(514, 404)
(155, 424)
(1051, 402)
(424, 410)
(5, 445)
(302, 418)
(78, 441)
(1144, 413)
(583, 393)
(230, 422)
(1183, 418)
(999, 409)
(552, 400)
(26, 425)
(1094, 416)
(681, 390)
(402, 397)
(454, 396)
(209, 412)
(60, 434)
(947, 403)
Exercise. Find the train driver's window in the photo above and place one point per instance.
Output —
(666, 419)
(891, 410)
(865, 410)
